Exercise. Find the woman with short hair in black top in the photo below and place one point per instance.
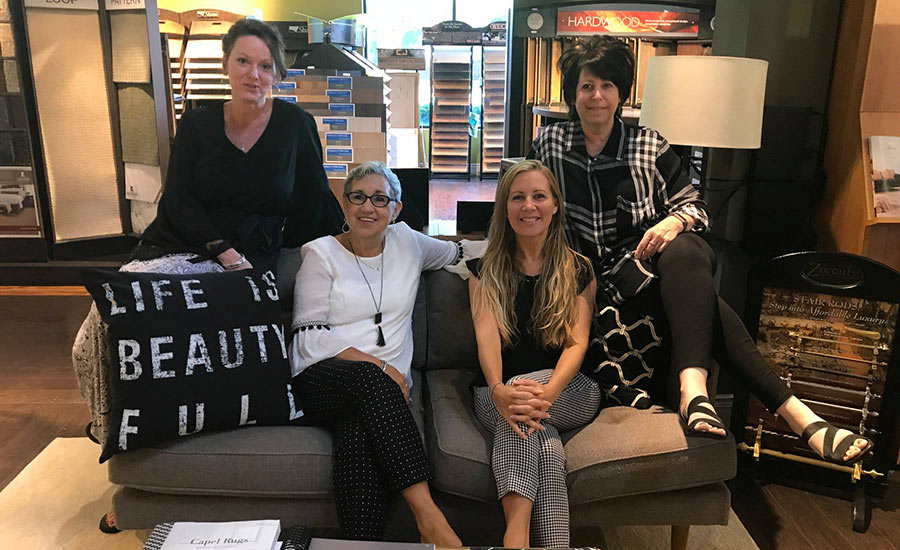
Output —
(245, 179)
(245, 176)
(531, 298)
(633, 211)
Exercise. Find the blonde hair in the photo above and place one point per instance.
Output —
(554, 313)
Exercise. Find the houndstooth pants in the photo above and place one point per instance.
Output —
(377, 446)
(535, 467)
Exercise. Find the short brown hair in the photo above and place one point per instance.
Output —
(604, 57)
(266, 33)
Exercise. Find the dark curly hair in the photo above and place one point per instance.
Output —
(602, 56)
(266, 33)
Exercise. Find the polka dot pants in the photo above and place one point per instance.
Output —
(377, 446)
(535, 467)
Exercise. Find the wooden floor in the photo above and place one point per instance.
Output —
(39, 401)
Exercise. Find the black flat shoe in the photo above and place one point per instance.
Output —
(107, 528)
(832, 454)
(696, 414)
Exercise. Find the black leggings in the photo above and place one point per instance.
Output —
(377, 446)
(705, 328)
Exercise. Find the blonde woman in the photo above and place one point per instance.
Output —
(532, 298)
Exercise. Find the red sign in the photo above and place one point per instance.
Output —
(661, 24)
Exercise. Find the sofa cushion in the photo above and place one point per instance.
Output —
(628, 451)
(458, 447)
(451, 335)
(259, 461)
(624, 451)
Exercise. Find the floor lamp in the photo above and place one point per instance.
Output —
(708, 102)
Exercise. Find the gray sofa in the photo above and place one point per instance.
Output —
(628, 467)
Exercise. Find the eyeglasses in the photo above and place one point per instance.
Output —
(379, 200)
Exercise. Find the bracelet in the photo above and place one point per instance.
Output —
(383, 365)
(491, 391)
(236, 264)
(684, 222)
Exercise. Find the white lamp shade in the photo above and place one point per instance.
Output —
(705, 101)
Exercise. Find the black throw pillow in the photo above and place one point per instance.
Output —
(191, 353)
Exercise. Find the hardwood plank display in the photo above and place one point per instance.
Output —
(492, 109)
(204, 76)
(451, 75)
(173, 37)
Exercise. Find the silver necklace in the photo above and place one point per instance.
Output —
(380, 342)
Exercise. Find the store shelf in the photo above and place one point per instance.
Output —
(492, 109)
(451, 76)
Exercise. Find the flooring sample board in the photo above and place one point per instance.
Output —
(138, 124)
(4, 113)
(7, 155)
(130, 49)
(142, 182)
(142, 214)
(7, 43)
(76, 126)
(11, 76)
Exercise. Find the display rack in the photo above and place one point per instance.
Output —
(827, 323)
(451, 82)
(204, 76)
(173, 37)
(19, 215)
(348, 98)
(493, 77)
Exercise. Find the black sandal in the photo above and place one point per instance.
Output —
(108, 528)
(832, 454)
(709, 416)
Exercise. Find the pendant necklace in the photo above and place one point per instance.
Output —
(380, 342)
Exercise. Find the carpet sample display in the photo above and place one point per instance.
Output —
(142, 182)
(142, 214)
(11, 76)
(76, 127)
(137, 121)
(130, 49)
(7, 154)
(7, 43)
(5, 123)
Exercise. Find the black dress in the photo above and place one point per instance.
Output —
(275, 195)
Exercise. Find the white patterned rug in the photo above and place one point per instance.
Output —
(57, 500)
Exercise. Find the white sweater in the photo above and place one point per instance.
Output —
(333, 309)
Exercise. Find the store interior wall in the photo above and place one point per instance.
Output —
(772, 213)
(273, 10)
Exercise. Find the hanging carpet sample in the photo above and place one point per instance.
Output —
(7, 44)
(11, 76)
(130, 49)
(138, 124)
(75, 123)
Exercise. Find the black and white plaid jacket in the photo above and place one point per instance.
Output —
(613, 198)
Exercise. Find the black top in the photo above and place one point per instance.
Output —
(526, 354)
(274, 195)
(614, 197)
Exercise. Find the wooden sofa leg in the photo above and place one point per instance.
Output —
(680, 536)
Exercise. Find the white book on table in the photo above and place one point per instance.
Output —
(334, 544)
(228, 535)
